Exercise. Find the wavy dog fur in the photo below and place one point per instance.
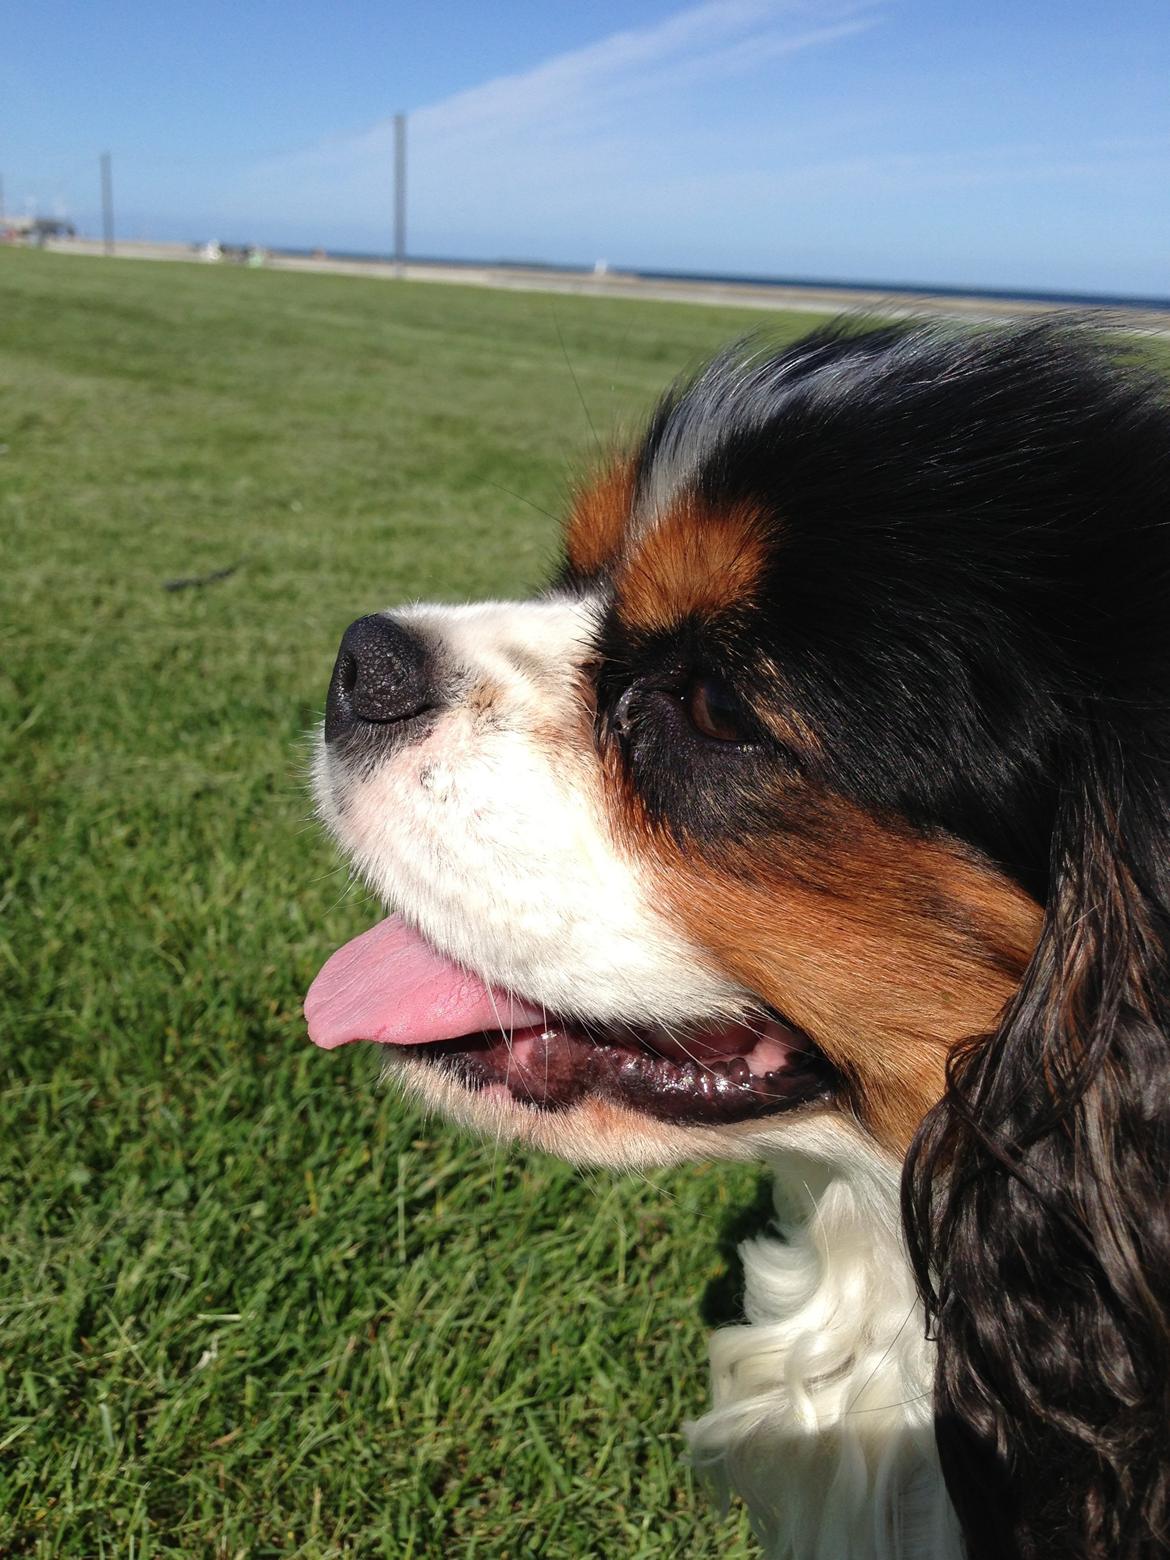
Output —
(1038, 1209)
(829, 1379)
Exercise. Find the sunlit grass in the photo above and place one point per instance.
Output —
(252, 1307)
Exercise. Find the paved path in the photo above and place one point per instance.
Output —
(811, 299)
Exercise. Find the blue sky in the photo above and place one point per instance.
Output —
(1017, 143)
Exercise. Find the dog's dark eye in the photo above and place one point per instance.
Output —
(715, 711)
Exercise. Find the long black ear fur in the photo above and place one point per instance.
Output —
(1037, 1194)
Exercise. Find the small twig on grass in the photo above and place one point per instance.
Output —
(189, 581)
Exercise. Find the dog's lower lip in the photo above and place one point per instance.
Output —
(556, 1066)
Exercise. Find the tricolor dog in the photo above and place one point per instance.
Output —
(817, 813)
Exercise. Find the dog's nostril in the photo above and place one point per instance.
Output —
(383, 675)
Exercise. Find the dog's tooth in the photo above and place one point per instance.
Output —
(738, 1071)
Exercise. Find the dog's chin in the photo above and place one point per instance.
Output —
(621, 1098)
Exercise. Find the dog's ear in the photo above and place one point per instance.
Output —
(1037, 1200)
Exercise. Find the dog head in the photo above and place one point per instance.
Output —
(827, 781)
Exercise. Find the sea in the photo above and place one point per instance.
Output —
(1071, 300)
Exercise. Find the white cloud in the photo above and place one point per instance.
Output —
(507, 163)
(720, 38)
(767, 136)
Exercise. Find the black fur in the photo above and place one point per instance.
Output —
(964, 523)
(1037, 1198)
(969, 604)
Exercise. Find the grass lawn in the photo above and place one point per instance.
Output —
(250, 1306)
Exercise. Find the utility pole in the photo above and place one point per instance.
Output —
(399, 191)
(107, 205)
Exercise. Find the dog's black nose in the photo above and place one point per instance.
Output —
(383, 674)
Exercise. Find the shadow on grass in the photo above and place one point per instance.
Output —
(722, 1300)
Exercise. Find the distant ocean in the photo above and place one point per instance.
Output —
(818, 283)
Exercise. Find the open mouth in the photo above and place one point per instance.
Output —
(391, 987)
(691, 1079)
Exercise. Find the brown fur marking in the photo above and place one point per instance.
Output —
(597, 520)
(886, 948)
(694, 562)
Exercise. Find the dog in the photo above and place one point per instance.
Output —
(817, 814)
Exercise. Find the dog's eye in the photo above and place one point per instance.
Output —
(715, 711)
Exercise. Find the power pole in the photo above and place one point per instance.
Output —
(399, 191)
(107, 205)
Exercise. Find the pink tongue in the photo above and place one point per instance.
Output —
(389, 985)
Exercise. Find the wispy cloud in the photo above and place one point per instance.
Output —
(787, 137)
(493, 157)
(720, 39)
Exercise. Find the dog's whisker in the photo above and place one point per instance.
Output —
(885, 1356)
(543, 1033)
(508, 1037)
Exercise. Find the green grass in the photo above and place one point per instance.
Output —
(251, 1306)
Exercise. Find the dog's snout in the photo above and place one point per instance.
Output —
(383, 674)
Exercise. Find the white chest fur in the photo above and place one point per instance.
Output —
(822, 1400)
